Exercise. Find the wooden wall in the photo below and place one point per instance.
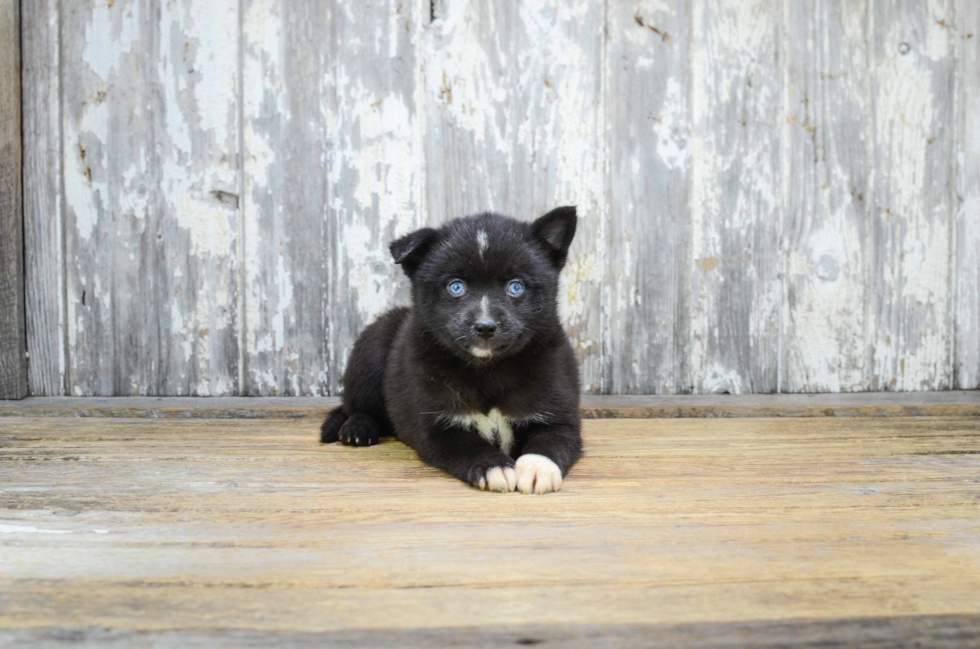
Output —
(776, 195)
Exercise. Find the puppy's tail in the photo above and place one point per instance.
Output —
(330, 427)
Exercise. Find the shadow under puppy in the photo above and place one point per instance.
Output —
(478, 371)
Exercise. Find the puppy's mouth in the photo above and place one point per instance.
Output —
(481, 352)
(485, 350)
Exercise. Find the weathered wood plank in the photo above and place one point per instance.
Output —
(469, 73)
(376, 164)
(150, 159)
(825, 232)
(910, 632)
(966, 362)
(332, 176)
(734, 266)
(911, 221)
(251, 525)
(648, 245)
(13, 351)
(514, 119)
(197, 226)
(106, 58)
(879, 404)
(286, 83)
(558, 157)
(680, 129)
(43, 234)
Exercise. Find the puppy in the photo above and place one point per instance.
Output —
(478, 371)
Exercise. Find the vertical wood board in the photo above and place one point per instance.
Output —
(43, 234)
(828, 197)
(332, 174)
(150, 185)
(910, 314)
(649, 148)
(966, 254)
(735, 289)
(13, 353)
(286, 86)
(376, 162)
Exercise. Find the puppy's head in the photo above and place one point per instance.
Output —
(485, 286)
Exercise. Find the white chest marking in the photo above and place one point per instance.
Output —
(482, 241)
(493, 427)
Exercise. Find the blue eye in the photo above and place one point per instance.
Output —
(456, 288)
(515, 288)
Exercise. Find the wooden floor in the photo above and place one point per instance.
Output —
(711, 532)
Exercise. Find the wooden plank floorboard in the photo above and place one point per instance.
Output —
(717, 532)
(954, 403)
(935, 632)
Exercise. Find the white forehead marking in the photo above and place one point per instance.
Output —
(493, 427)
(481, 241)
(484, 308)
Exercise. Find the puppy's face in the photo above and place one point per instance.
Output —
(484, 286)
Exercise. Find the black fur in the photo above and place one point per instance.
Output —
(413, 370)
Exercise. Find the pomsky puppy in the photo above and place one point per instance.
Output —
(478, 371)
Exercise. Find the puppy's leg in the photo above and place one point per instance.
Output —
(549, 452)
(359, 430)
(331, 426)
(364, 382)
(461, 452)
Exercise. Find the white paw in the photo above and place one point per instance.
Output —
(499, 479)
(538, 474)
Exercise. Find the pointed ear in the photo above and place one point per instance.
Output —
(555, 230)
(411, 249)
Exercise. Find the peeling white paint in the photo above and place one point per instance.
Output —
(516, 107)
(370, 288)
(912, 342)
(671, 128)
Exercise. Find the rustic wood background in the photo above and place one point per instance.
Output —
(776, 195)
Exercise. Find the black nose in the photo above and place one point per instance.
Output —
(485, 328)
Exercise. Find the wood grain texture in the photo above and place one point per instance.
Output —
(215, 527)
(909, 632)
(828, 153)
(774, 196)
(649, 246)
(332, 174)
(150, 177)
(375, 165)
(966, 254)
(43, 223)
(286, 86)
(13, 352)
(950, 403)
(107, 54)
(735, 289)
(910, 315)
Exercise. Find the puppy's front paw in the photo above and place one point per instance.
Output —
(359, 430)
(538, 474)
(498, 478)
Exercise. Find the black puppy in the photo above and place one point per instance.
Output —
(479, 370)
